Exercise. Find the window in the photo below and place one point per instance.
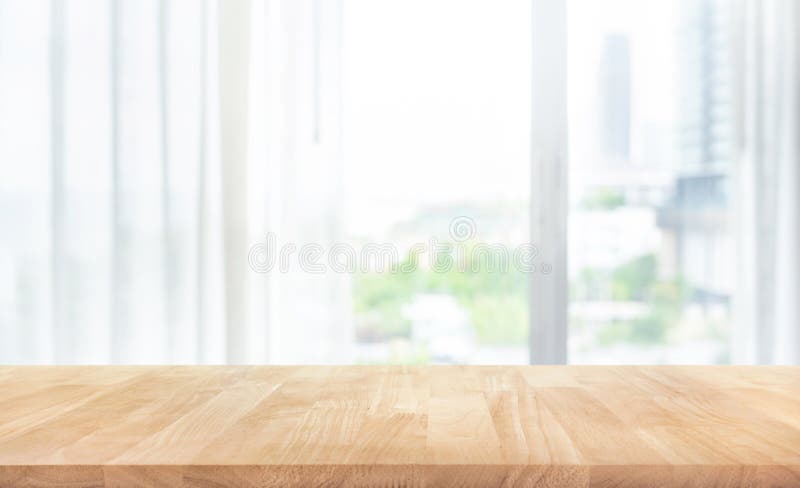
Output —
(651, 164)
(155, 150)
(436, 127)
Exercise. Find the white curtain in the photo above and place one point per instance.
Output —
(769, 184)
(145, 145)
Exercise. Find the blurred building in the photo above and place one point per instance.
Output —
(615, 98)
(705, 85)
(699, 239)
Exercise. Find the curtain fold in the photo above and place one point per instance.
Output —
(769, 184)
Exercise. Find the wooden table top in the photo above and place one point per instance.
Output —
(400, 426)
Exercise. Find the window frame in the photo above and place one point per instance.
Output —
(548, 324)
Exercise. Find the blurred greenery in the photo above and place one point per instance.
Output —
(605, 199)
(497, 304)
(495, 301)
(633, 281)
(638, 281)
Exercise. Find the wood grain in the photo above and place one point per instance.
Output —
(400, 426)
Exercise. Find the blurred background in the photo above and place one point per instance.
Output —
(146, 145)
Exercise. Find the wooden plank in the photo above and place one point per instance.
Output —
(400, 426)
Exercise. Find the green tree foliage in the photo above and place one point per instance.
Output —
(637, 281)
(494, 299)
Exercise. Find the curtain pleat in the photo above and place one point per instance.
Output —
(145, 146)
(769, 182)
(26, 258)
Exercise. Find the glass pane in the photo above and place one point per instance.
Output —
(650, 141)
(436, 127)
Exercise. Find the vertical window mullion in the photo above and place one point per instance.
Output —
(548, 218)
